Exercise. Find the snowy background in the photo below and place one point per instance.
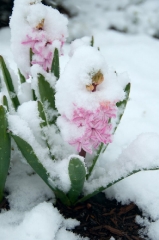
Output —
(136, 52)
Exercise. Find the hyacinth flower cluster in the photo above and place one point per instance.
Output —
(89, 108)
(39, 30)
(69, 114)
(97, 127)
(39, 46)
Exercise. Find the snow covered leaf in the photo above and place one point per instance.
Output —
(43, 124)
(47, 94)
(28, 152)
(122, 104)
(77, 175)
(121, 108)
(31, 157)
(22, 78)
(55, 64)
(102, 188)
(5, 150)
(9, 83)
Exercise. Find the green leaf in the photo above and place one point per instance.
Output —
(31, 56)
(98, 152)
(22, 78)
(77, 174)
(29, 154)
(122, 104)
(5, 150)
(92, 42)
(9, 83)
(5, 102)
(47, 94)
(42, 115)
(55, 64)
(62, 196)
(121, 108)
(43, 124)
(34, 95)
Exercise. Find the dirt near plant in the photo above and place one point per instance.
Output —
(102, 219)
(4, 205)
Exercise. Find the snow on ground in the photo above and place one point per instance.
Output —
(30, 216)
(127, 16)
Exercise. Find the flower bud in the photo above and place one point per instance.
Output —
(97, 79)
(40, 25)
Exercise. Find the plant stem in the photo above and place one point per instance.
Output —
(82, 153)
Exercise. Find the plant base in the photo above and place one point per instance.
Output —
(4, 204)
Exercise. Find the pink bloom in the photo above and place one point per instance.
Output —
(97, 126)
(40, 45)
(45, 62)
(30, 41)
(81, 143)
(108, 109)
(80, 116)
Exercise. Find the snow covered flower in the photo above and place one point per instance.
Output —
(41, 49)
(88, 103)
(39, 28)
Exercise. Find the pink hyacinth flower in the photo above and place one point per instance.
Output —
(40, 45)
(81, 143)
(97, 126)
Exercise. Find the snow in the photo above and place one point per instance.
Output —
(136, 140)
(42, 222)
(83, 65)
(128, 16)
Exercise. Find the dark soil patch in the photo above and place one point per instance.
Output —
(4, 205)
(102, 219)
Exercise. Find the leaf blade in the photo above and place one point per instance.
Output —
(55, 67)
(77, 176)
(5, 150)
(47, 94)
(9, 83)
(42, 115)
(100, 189)
(28, 152)
(5, 102)
(22, 78)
